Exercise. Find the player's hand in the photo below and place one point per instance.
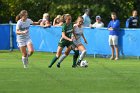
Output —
(70, 40)
(74, 38)
(25, 32)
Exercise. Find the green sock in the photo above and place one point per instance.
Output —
(74, 60)
(53, 61)
(75, 56)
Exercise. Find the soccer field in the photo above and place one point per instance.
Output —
(102, 75)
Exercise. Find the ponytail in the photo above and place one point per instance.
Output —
(17, 17)
(22, 13)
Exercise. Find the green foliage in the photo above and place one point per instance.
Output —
(36, 8)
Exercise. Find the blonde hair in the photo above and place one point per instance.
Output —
(58, 16)
(45, 15)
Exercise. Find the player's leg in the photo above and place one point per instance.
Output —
(82, 55)
(59, 51)
(67, 51)
(24, 56)
(75, 57)
(30, 48)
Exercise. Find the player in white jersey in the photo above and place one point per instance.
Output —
(78, 32)
(23, 37)
(77, 44)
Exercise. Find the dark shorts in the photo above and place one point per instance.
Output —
(65, 44)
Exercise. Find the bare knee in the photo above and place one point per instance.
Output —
(24, 54)
(31, 52)
(116, 46)
(58, 54)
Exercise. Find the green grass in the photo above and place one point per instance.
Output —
(102, 75)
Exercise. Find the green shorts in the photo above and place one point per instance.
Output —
(63, 44)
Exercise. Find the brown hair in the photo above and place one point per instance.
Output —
(21, 14)
(134, 11)
(113, 13)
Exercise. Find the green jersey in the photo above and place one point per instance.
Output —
(68, 32)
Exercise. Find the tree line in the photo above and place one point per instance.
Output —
(10, 8)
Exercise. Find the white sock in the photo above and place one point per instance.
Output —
(25, 61)
(82, 55)
(61, 58)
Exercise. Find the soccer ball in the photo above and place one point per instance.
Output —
(84, 63)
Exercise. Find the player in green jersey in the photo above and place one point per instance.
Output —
(65, 41)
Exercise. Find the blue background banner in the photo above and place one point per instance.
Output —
(4, 37)
(46, 39)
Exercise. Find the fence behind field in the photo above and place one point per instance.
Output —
(46, 39)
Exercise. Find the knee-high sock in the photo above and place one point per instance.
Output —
(75, 56)
(25, 60)
(61, 58)
(53, 60)
(82, 55)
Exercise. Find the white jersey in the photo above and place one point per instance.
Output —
(22, 26)
(98, 25)
(78, 32)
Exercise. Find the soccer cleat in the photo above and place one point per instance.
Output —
(74, 66)
(116, 58)
(111, 58)
(78, 63)
(49, 66)
(25, 66)
(58, 65)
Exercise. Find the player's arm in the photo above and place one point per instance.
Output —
(84, 38)
(74, 33)
(35, 23)
(18, 32)
(65, 37)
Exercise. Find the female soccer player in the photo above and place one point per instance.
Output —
(78, 32)
(77, 45)
(65, 41)
(23, 37)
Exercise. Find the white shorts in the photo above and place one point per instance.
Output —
(77, 42)
(113, 40)
(24, 42)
